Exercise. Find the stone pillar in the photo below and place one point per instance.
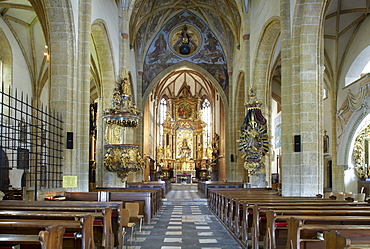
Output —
(82, 111)
(302, 82)
(70, 90)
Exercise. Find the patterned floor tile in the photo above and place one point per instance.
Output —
(184, 227)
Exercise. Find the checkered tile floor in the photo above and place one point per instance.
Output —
(184, 227)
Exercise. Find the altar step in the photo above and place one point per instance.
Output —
(184, 194)
(184, 202)
(184, 186)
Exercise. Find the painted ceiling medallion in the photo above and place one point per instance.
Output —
(185, 40)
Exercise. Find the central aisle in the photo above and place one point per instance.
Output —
(186, 224)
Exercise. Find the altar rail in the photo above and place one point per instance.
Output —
(204, 186)
(165, 186)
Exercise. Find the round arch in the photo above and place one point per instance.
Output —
(264, 58)
(104, 64)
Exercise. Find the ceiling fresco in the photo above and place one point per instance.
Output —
(148, 17)
(208, 52)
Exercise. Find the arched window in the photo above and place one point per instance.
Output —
(359, 66)
(366, 68)
(206, 109)
(162, 117)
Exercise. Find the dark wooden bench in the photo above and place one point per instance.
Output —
(203, 187)
(165, 186)
(277, 223)
(334, 240)
(303, 236)
(51, 238)
(101, 211)
(233, 207)
(149, 199)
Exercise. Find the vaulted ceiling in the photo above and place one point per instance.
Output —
(222, 16)
(26, 21)
(343, 21)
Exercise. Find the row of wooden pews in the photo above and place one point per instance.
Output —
(88, 221)
(86, 224)
(50, 238)
(150, 200)
(259, 217)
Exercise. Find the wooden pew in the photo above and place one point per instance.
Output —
(203, 187)
(51, 238)
(83, 226)
(334, 240)
(63, 209)
(276, 222)
(231, 206)
(165, 186)
(300, 235)
(150, 200)
(143, 198)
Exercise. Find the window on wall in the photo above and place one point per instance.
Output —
(359, 67)
(162, 117)
(366, 69)
(206, 109)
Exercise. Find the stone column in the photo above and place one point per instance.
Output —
(302, 171)
(70, 90)
(82, 111)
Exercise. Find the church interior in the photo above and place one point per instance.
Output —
(108, 94)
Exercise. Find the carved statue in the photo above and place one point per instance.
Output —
(159, 152)
(125, 86)
(216, 142)
(185, 151)
(168, 151)
(200, 151)
(209, 152)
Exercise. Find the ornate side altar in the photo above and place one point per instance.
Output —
(121, 157)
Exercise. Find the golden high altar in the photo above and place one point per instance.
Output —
(184, 148)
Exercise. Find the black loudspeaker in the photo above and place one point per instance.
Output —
(232, 157)
(297, 143)
(69, 140)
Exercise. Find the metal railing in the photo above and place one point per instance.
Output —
(30, 143)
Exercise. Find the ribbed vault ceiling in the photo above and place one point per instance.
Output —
(222, 16)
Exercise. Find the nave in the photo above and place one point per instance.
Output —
(184, 222)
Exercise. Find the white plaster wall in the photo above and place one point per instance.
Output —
(75, 14)
(132, 68)
(292, 11)
(21, 76)
(44, 97)
(108, 11)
